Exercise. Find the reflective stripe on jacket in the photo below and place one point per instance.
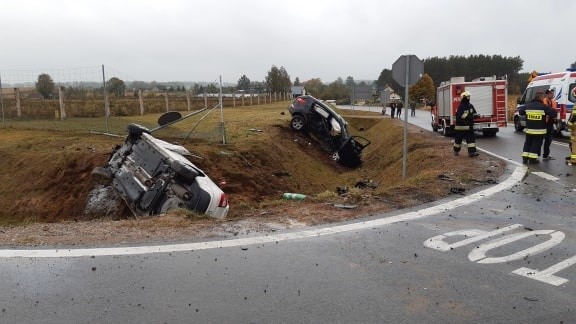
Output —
(535, 113)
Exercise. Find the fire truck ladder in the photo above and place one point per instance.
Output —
(501, 105)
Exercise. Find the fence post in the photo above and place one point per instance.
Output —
(188, 103)
(18, 107)
(251, 96)
(242, 99)
(141, 100)
(205, 100)
(233, 99)
(62, 106)
(166, 100)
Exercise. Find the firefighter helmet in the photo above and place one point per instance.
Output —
(465, 94)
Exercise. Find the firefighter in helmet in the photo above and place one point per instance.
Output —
(464, 128)
(537, 114)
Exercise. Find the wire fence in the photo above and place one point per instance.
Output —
(21, 101)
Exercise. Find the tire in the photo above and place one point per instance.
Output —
(517, 126)
(434, 127)
(102, 174)
(298, 123)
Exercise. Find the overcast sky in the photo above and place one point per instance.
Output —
(173, 40)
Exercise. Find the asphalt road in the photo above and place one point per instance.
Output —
(503, 254)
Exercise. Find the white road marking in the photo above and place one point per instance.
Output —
(546, 176)
(547, 275)
(514, 178)
(503, 158)
(479, 255)
(474, 235)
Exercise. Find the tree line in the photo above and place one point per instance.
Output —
(277, 80)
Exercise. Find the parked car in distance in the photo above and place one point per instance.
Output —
(328, 128)
(154, 176)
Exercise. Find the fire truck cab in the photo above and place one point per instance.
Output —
(489, 96)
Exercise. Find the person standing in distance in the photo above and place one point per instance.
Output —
(413, 109)
(536, 113)
(549, 101)
(464, 128)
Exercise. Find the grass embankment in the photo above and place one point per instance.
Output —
(46, 165)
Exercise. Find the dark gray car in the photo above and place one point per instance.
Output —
(326, 126)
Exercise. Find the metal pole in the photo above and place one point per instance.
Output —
(222, 113)
(2, 103)
(405, 146)
(106, 108)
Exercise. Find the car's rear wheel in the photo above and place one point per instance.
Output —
(298, 123)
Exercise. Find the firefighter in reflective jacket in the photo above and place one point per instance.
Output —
(464, 127)
(571, 160)
(537, 114)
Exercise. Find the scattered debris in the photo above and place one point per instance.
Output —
(255, 130)
(341, 190)
(457, 190)
(343, 206)
(293, 196)
(366, 184)
(445, 177)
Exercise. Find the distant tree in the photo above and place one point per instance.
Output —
(472, 67)
(243, 83)
(385, 79)
(211, 88)
(314, 87)
(297, 81)
(116, 86)
(350, 82)
(196, 89)
(337, 90)
(278, 80)
(257, 87)
(423, 89)
(76, 93)
(45, 85)
(140, 85)
(573, 65)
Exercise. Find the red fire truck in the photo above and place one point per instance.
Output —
(489, 96)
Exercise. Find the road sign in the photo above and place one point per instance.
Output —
(415, 69)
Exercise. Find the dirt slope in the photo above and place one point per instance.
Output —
(46, 179)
